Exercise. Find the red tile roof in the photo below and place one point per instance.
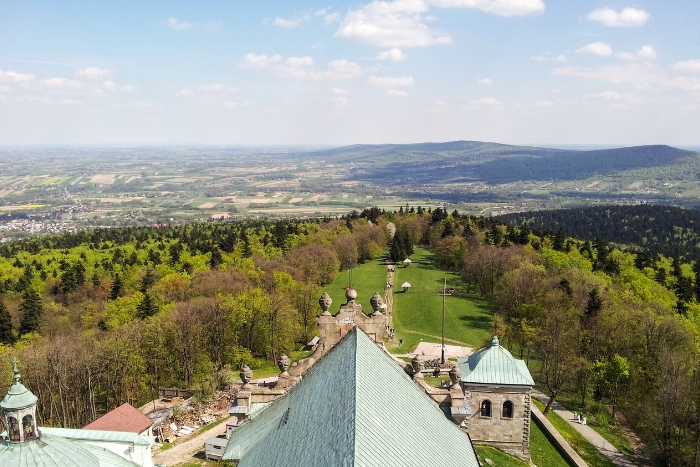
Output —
(123, 418)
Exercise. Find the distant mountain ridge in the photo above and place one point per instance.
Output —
(465, 161)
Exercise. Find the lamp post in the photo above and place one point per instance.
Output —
(444, 294)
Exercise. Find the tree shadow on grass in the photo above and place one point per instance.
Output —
(482, 322)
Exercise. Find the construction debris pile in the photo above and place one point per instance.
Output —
(176, 417)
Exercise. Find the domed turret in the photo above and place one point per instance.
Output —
(19, 411)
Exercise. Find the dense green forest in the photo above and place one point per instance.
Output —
(103, 317)
(671, 231)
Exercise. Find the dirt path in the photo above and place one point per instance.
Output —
(186, 449)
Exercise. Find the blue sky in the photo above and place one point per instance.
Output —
(313, 73)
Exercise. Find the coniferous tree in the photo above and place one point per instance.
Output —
(146, 306)
(7, 335)
(148, 279)
(117, 288)
(31, 308)
(95, 279)
(79, 273)
(216, 258)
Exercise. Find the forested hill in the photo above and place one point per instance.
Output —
(668, 230)
(460, 161)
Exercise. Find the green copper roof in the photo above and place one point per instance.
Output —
(354, 407)
(54, 451)
(18, 397)
(99, 435)
(494, 365)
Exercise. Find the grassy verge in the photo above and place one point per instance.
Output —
(602, 421)
(590, 454)
(212, 425)
(418, 313)
(499, 458)
(542, 452)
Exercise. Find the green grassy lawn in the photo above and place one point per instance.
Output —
(499, 458)
(366, 279)
(542, 452)
(590, 454)
(418, 313)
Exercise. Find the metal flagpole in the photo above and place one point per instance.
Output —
(444, 294)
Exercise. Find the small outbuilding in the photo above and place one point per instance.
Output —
(406, 263)
(124, 418)
(406, 286)
(214, 448)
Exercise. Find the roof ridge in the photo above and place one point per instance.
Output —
(515, 361)
(353, 425)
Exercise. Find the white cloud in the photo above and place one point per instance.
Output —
(177, 25)
(62, 83)
(290, 23)
(647, 51)
(92, 73)
(395, 55)
(561, 58)
(397, 93)
(438, 107)
(252, 61)
(692, 66)
(340, 92)
(4, 88)
(639, 75)
(391, 81)
(486, 102)
(112, 86)
(331, 18)
(391, 24)
(484, 81)
(609, 97)
(498, 7)
(544, 104)
(302, 67)
(596, 48)
(14, 77)
(628, 17)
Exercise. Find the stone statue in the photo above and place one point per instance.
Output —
(246, 374)
(283, 364)
(455, 376)
(415, 363)
(376, 302)
(325, 301)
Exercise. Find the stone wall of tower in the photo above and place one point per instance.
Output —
(511, 435)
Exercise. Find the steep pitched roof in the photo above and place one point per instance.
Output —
(494, 365)
(355, 406)
(123, 418)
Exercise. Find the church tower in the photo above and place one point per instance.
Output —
(19, 411)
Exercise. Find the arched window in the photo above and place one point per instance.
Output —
(28, 427)
(485, 408)
(13, 429)
(507, 409)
